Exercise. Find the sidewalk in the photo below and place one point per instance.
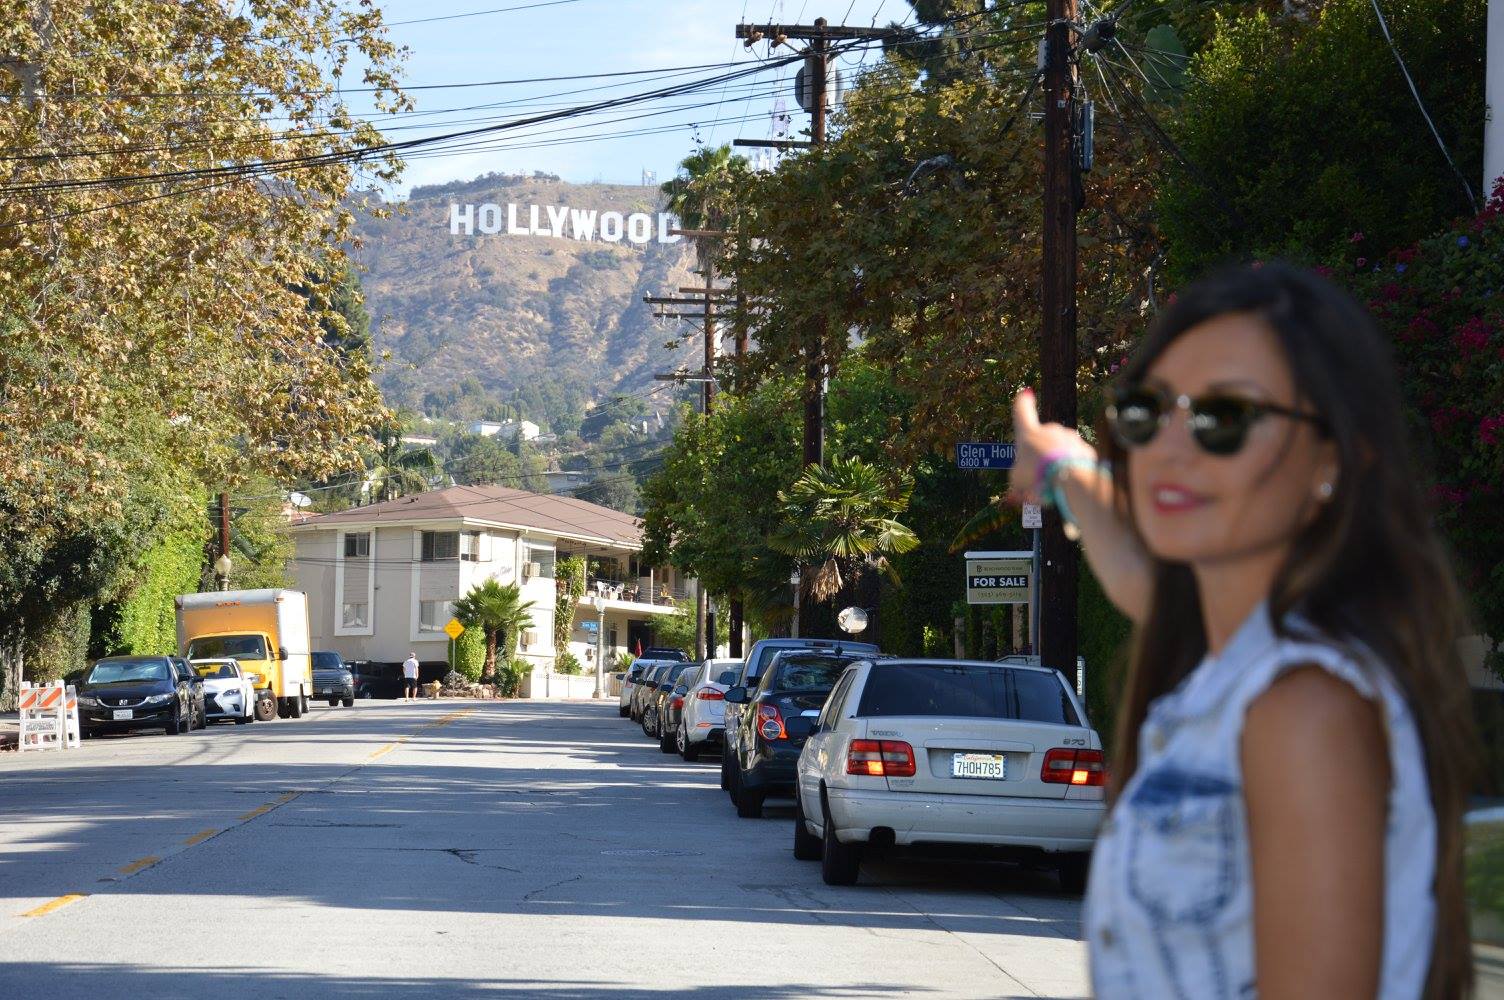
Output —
(10, 730)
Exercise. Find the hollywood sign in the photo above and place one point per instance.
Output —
(562, 222)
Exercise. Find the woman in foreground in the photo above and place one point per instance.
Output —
(1293, 748)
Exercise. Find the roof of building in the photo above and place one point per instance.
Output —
(558, 515)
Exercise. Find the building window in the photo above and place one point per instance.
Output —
(357, 545)
(470, 546)
(355, 616)
(434, 615)
(440, 545)
(611, 638)
(544, 557)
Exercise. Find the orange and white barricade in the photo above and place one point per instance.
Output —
(49, 716)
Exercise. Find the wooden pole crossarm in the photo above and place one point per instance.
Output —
(774, 143)
(809, 31)
(701, 234)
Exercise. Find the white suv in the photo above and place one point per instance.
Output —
(950, 752)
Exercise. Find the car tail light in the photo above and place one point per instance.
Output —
(770, 722)
(1068, 766)
(880, 758)
(677, 703)
(709, 694)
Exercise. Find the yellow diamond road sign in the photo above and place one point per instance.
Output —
(454, 628)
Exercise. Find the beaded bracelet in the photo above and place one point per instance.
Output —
(1052, 493)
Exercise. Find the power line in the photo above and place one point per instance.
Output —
(1466, 187)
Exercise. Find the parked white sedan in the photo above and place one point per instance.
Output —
(950, 752)
(228, 691)
(702, 721)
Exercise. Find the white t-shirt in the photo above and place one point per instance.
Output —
(410, 668)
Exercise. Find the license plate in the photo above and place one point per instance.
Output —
(122, 714)
(979, 765)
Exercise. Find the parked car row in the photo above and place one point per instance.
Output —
(961, 757)
(119, 694)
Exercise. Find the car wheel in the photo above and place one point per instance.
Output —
(303, 704)
(689, 751)
(748, 801)
(840, 864)
(175, 727)
(333, 702)
(295, 708)
(203, 718)
(621, 710)
(725, 770)
(1073, 869)
(807, 846)
(668, 742)
(349, 702)
(241, 720)
(266, 709)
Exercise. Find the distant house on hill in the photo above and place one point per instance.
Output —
(382, 579)
(507, 430)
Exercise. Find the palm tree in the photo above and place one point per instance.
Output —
(843, 516)
(495, 609)
(396, 470)
(705, 195)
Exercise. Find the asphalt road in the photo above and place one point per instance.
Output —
(470, 849)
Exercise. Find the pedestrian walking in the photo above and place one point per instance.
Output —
(1294, 744)
(410, 677)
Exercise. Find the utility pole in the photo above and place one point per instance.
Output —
(816, 71)
(1493, 130)
(224, 540)
(1057, 347)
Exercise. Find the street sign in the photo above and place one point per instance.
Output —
(1033, 516)
(984, 455)
(589, 626)
(999, 581)
(453, 628)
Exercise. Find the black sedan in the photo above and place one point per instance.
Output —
(777, 718)
(332, 679)
(673, 707)
(121, 693)
(656, 702)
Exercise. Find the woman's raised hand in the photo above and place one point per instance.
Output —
(1033, 442)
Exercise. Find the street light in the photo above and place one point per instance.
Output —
(599, 601)
(222, 567)
(794, 582)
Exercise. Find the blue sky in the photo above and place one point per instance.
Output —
(593, 36)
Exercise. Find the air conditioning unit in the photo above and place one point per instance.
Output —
(531, 570)
(529, 637)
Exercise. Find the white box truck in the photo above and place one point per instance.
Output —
(265, 630)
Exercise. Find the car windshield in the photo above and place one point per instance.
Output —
(125, 671)
(327, 661)
(219, 647)
(966, 690)
(798, 673)
(222, 671)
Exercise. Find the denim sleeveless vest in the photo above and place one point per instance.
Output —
(1169, 906)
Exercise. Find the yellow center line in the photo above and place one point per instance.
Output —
(55, 904)
(139, 864)
(245, 817)
(199, 838)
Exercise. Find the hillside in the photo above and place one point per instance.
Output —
(519, 313)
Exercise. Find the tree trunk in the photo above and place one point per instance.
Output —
(12, 665)
(491, 653)
(737, 613)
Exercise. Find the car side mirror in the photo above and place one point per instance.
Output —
(281, 652)
(728, 678)
(736, 696)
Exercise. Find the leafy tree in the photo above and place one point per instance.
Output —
(1304, 132)
(569, 579)
(396, 470)
(706, 195)
(499, 611)
(843, 516)
(477, 459)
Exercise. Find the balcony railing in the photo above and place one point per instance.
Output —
(638, 592)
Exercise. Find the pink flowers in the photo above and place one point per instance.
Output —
(1491, 429)
(1472, 336)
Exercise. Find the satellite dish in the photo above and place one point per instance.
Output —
(852, 620)
(299, 499)
(804, 90)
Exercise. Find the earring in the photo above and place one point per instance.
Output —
(1325, 491)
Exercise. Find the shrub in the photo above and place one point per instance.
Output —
(567, 663)
(624, 661)
(470, 653)
(509, 678)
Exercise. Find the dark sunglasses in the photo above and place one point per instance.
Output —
(1219, 423)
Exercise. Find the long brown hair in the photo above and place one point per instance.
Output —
(1370, 569)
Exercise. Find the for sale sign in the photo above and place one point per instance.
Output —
(999, 581)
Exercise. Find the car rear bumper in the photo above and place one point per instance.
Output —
(981, 820)
(714, 735)
(773, 771)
